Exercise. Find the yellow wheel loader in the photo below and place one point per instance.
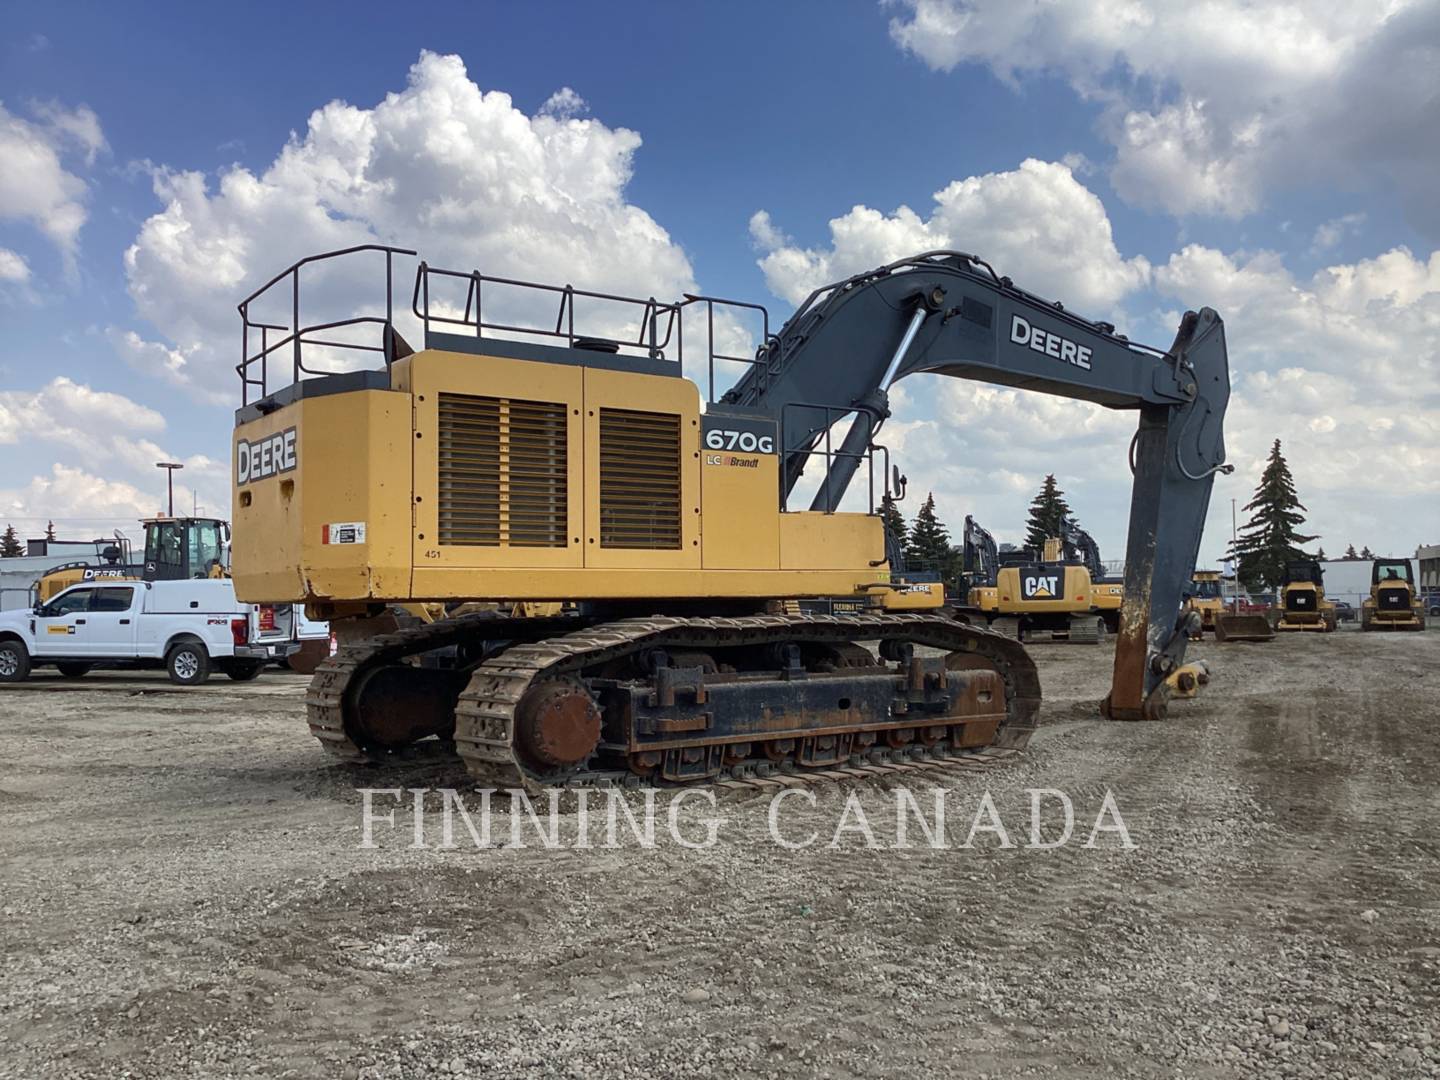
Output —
(1393, 603)
(1206, 601)
(1303, 606)
(175, 548)
(580, 464)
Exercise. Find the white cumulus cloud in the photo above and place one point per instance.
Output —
(1210, 105)
(1037, 224)
(13, 267)
(35, 185)
(459, 173)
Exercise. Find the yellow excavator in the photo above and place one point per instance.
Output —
(1393, 603)
(583, 467)
(1062, 596)
(1207, 602)
(1303, 606)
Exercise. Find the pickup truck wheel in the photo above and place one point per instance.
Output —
(188, 663)
(243, 670)
(72, 669)
(14, 662)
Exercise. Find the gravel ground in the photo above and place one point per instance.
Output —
(184, 894)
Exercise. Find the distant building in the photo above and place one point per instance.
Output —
(1428, 556)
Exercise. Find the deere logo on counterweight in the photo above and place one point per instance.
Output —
(265, 457)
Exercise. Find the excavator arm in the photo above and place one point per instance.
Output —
(981, 558)
(1080, 544)
(949, 313)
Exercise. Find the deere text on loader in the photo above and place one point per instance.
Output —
(580, 468)
(1393, 603)
(175, 548)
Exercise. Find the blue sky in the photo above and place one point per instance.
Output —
(1243, 168)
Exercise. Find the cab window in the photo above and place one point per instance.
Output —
(68, 603)
(118, 599)
(163, 544)
(204, 547)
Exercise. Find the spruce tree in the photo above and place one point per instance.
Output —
(1047, 513)
(895, 527)
(1351, 553)
(10, 545)
(1366, 553)
(1320, 554)
(1271, 537)
(49, 530)
(928, 546)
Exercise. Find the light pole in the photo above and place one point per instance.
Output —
(170, 467)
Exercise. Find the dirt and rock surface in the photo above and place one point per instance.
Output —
(184, 894)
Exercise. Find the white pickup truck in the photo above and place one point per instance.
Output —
(187, 627)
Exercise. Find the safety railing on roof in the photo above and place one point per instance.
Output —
(659, 322)
(254, 367)
(658, 333)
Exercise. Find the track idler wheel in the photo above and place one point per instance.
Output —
(394, 706)
(557, 724)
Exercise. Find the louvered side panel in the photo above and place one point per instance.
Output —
(502, 472)
(639, 480)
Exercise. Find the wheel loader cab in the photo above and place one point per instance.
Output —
(1393, 603)
(1302, 599)
(185, 548)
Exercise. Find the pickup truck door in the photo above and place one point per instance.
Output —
(109, 628)
(60, 623)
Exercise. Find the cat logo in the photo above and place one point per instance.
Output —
(1040, 586)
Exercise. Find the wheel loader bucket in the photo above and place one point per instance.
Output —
(1243, 628)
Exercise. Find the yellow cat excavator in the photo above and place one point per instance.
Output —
(583, 467)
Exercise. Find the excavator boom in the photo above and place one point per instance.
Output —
(950, 313)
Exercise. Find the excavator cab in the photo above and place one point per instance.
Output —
(1303, 606)
(1393, 603)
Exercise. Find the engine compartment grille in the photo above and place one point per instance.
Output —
(503, 472)
(639, 479)
(1394, 598)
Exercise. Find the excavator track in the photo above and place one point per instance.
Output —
(540, 665)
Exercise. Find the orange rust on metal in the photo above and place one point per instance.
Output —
(682, 724)
(558, 722)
